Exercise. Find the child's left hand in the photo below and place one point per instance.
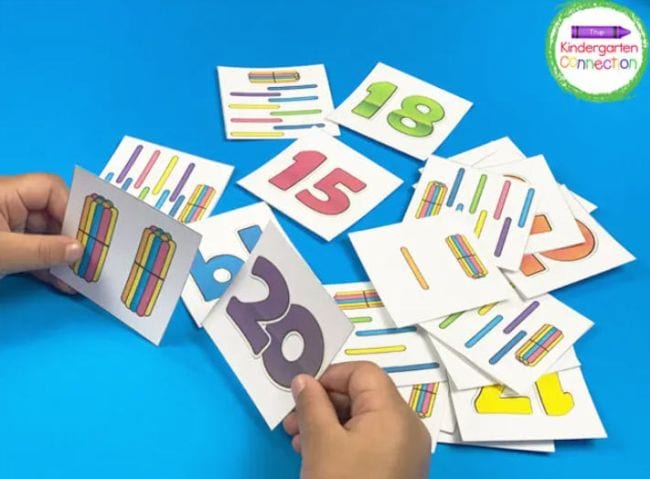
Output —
(31, 213)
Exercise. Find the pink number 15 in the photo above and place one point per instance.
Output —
(305, 163)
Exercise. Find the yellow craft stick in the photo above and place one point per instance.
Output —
(414, 267)
(253, 106)
(483, 310)
(378, 350)
(478, 229)
(165, 175)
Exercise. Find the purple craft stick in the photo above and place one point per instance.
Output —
(502, 237)
(129, 164)
(181, 184)
(521, 316)
(598, 31)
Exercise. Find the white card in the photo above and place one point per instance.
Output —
(321, 183)
(553, 224)
(275, 322)
(429, 268)
(136, 259)
(559, 407)
(401, 111)
(426, 400)
(272, 103)
(184, 186)
(513, 341)
(495, 152)
(598, 252)
(588, 206)
(449, 433)
(500, 208)
(405, 353)
(228, 239)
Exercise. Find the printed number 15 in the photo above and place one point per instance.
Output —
(416, 116)
(306, 163)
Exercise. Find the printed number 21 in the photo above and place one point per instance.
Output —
(281, 319)
(305, 163)
(416, 116)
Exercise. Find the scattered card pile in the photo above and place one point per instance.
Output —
(457, 310)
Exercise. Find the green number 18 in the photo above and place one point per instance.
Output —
(415, 117)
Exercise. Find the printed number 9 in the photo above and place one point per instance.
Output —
(410, 119)
(285, 319)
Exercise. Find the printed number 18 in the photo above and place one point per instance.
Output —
(416, 116)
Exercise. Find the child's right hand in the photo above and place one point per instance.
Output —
(353, 423)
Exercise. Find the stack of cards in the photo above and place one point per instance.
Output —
(457, 311)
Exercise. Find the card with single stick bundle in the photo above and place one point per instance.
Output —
(136, 258)
(275, 103)
(430, 402)
(405, 353)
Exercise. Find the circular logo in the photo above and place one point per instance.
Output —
(597, 50)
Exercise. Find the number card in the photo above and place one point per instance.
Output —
(274, 322)
(405, 353)
(227, 241)
(501, 208)
(401, 111)
(322, 184)
(558, 407)
(184, 186)
(540, 273)
(272, 103)
(513, 341)
(136, 259)
(429, 268)
(430, 402)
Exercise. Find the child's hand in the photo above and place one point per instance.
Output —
(31, 214)
(354, 424)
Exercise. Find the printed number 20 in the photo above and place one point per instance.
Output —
(282, 319)
(416, 116)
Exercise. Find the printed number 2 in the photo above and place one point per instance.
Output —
(282, 319)
(416, 116)
(306, 163)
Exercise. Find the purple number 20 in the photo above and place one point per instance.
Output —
(283, 319)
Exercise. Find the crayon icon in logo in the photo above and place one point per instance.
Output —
(598, 31)
(95, 232)
(197, 205)
(149, 270)
(422, 399)
(431, 202)
(539, 345)
(466, 256)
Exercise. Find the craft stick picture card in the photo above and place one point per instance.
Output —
(228, 239)
(275, 103)
(321, 183)
(401, 111)
(598, 252)
(553, 224)
(405, 353)
(430, 402)
(183, 186)
(274, 322)
(502, 209)
(429, 268)
(136, 258)
(513, 341)
(558, 407)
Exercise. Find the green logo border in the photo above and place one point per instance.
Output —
(551, 38)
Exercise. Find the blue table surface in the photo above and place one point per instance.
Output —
(81, 395)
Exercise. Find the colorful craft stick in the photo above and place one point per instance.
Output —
(539, 345)
(149, 271)
(422, 399)
(95, 232)
(431, 202)
(197, 205)
(367, 298)
(466, 256)
(274, 76)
